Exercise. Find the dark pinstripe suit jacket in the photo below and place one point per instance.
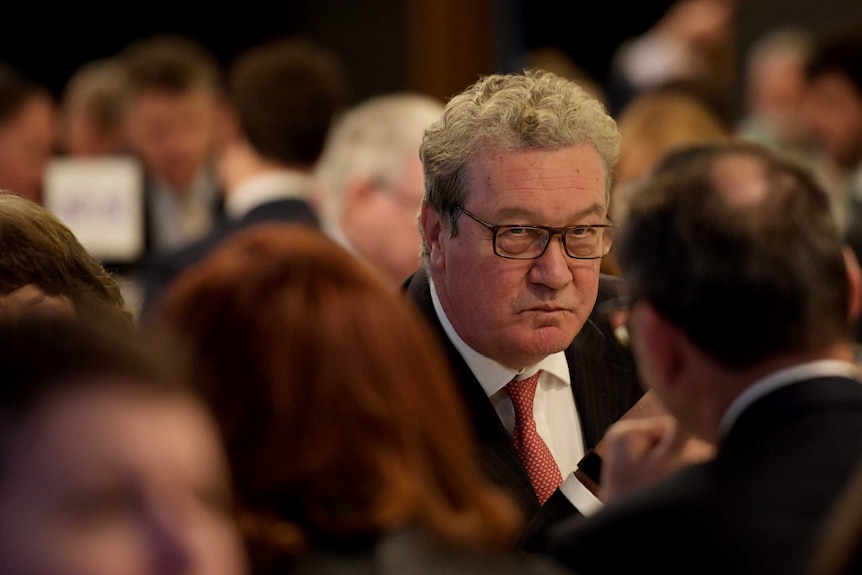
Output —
(604, 384)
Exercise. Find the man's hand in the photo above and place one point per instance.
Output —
(640, 452)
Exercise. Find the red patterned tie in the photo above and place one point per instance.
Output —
(531, 448)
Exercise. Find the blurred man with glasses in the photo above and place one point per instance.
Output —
(511, 286)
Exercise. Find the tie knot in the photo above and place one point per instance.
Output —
(523, 391)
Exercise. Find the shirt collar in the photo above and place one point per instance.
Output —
(276, 185)
(492, 375)
(782, 378)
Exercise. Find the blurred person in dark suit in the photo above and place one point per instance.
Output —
(285, 93)
(742, 298)
(514, 224)
(173, 119)
(350, 447)
(28, 132)
(370, 181)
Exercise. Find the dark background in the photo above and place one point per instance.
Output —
(368, 34)
(436, 46)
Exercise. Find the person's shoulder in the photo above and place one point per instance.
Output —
(285, 210)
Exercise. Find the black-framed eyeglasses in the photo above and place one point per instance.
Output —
(517, 242)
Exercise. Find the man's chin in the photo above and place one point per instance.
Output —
(547, 340)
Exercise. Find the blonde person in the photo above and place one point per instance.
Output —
(91, 110)
(653, 124)
(371, 183)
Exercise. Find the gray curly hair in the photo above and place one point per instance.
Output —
(502, 112)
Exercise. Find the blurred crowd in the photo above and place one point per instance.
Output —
(250, 325)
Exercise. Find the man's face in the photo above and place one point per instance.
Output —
(833, 115)
(519, 311)
(173, 134)
(381, 223)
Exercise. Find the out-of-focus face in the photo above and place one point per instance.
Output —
(106, 482)
(383, 225)
(31, 298)
(173, 134)
(777, 87)
(82, 135)
(27, 144)
(833, 115)
(519, 311)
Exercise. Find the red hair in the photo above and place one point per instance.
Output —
(339, 412)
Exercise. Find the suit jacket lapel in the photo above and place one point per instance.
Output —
(495, 444)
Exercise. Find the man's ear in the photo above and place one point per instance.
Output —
(854, 275)
(432, 230)
(659, 344)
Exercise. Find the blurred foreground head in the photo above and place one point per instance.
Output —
(732, 238)
(341, 420)
(44, 267)
(109, 465)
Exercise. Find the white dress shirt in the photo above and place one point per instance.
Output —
(181, 218)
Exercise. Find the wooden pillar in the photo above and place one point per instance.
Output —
(449, 44)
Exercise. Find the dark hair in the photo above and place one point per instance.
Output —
(287, 92)
(838, 51)
(173, 63)
(16, 89)
(766, 268)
